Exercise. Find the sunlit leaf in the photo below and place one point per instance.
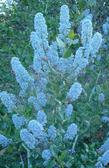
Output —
(60, 42)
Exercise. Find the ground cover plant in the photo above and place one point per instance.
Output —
(57, 115)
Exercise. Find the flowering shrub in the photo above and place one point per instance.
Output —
(48, 130)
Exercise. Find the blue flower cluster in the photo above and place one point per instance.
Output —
(18, 121)
(86, 33)
(74, 92)
(38, 102)
(33, 135)
(69, 110)
(105, 119)
(41, 118)
(106, 27)
(46, 154)
(96, 42)
(50, 86)
(71, 132)
(22, 76)
(9, 100)
(28, 138)
(65, 24)
(105, 146)
(39, 41)
(104, 159)
(101, 97)
(37, 129)
(52, 133)
(4, 141)
(91, 43)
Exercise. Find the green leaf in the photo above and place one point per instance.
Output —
(53, 149)
(51, 164)
(71, 34)
(63, 155)
(68, 53)
(60, 42)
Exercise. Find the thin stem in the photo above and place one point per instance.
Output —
(28, 156)
(22, 162)
(90, 96)
(74, 144)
